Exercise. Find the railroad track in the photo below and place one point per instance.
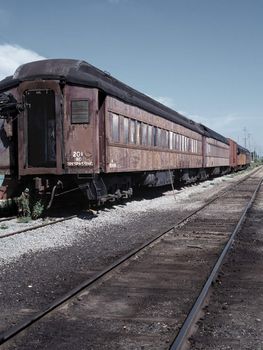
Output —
(125, 300)
(34, 227)
(233, 317)
(7, 218)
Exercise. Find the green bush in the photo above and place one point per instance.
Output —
(37, 209)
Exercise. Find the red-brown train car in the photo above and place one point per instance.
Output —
(67, 123)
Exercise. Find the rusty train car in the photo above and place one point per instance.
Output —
(66, 125)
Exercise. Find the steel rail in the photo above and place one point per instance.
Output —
(7, 219)
(37, 226)
(7, 335)
(190, 320)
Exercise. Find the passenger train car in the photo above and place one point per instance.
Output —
(66, 125)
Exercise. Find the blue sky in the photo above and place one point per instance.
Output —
(203, 58)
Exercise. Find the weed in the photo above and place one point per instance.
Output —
(37, 209)
(3, 226)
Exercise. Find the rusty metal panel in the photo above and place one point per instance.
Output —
(141, 157)
(81, 140)
(241, 159)
(232, 153)
(216, 153)
(123, 159)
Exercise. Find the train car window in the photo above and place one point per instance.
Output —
(155, 136)
(180, 142)
(132, 131)
(183, 143)
(126, 130)
(80, 112)
(115, 132)
(166, 139)
(144, 133)
(162, 140)
(159, 137)
(176, 141)
(189, 145)
(150, 135)
(171, 136)
(138, 132)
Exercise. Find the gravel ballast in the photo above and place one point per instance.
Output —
(38, 266)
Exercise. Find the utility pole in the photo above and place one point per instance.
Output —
(245, 137)
(248, 140)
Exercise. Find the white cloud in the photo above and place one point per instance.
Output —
(12, 56)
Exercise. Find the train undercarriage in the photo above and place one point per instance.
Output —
(101, 188)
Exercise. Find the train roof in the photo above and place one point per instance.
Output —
(242, 149)
(84, 74)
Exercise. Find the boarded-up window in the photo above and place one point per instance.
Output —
(144, 133)
(132, 131)
(125, 130)
(155, 141)
(115, 132)
(80, 111)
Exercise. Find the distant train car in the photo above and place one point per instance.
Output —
(233, 149)
(243, 157)
(68, 125)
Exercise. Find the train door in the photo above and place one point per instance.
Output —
(41, 128)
